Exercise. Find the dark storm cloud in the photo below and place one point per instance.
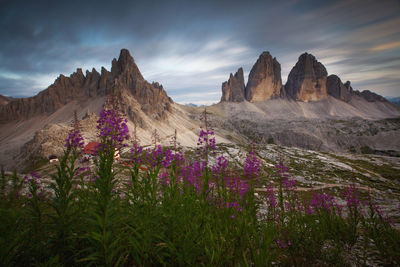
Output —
(192, 46)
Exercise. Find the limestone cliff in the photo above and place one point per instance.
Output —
(307, 80)
(265, 80)
(233, 89)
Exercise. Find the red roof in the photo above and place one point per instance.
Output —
(90, 148)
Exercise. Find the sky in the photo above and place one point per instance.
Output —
(191, 47)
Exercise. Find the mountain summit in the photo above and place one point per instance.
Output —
(124, 77)
(233, 90)
(307, 80)
(265, 80)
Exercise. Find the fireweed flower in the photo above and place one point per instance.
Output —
(323, 202)
(35, 185)
(352, 197)
(289, 185)
(137, 153)
(74, 140)
(221, 166)
(169, 157)
(252, 166)
(192, 174)
(155, 156)
(282, 170)
(271, 201)
(113, 129)
(164, 178)
(237, 185)
(206, 141)
(83, 170)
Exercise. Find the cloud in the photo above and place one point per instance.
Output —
(387, 46)
(191, 46)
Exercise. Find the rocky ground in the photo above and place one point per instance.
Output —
(313, 171)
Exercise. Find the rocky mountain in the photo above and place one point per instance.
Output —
(265, 80)
(234, 90)
(345, 92)
(4, 100)
(307, 80)
(337, 89)
(124, 76)
(33, 128)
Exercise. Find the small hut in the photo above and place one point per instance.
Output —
(53, 159)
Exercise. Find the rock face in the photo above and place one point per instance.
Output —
(4, 100)
(265, 80)
(337, 89)
(345, 92)
(233, 89)
(307, 80)
(124, 76)
(372, 97)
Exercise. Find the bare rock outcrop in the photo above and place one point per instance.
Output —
(307, 80)
(372, 97)
(337, 89)
(233, 89)
(4, 100)
(265, 80)
(124, 75)
(345, 92)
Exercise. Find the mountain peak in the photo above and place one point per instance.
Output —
(265, 80)
(233, 89)
(125, 58)
(125, 75)
(125, 64)
(307, 79)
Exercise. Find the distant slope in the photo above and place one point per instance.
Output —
(4, 100)
(34, 127)
(326, 125)
(328, 108)
(394, 100)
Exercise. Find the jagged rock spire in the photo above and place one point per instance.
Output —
(307, 80)
(233, 89)
(265, 81)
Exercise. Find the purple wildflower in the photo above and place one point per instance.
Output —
(221, 166)
(164, 178)
(322, 202)
(74, 140)
(206, 141)
(169, 157)
(35, 175)
(113, 129)
(252, 166)
(237, 185)
(155, 156)
(352, 197)
(289, 185)
(136, 153)
(271, 201)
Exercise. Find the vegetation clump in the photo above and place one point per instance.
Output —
(161, 208)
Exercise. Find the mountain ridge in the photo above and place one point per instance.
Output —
(307, 81)
(29, 129)
(124, 75)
